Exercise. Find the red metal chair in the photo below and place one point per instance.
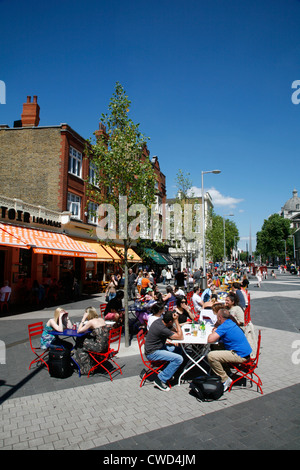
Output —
(101, 358)
(246, 369)
(4, 303)
(152, 366)
(247, 316)
(189, 295)
(36, 329)
(102, 309)
(171, 305)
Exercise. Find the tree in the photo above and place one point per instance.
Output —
(215, 236)
(124, 184)
(269, 241)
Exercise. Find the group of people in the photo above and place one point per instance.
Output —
(228, 341)
(96, 340)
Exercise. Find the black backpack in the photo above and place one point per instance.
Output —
(59, 362)
(207, 388)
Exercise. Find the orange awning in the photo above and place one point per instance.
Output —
(50, 243)
(131, 255)
(112, 253)
(6, 238)
(102, 254)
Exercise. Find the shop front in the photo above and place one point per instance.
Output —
(35, 260)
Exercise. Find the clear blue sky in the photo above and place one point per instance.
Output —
(209, 80)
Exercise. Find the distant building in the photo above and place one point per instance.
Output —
(291, 211)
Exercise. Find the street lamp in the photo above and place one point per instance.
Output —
(216, 172)
(225, 215)
(284, 251)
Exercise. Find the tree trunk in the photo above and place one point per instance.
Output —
(126, 320)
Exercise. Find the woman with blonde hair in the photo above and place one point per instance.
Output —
(96, 340)
(59, 322)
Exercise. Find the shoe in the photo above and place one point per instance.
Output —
(227, 384)
(161, 385)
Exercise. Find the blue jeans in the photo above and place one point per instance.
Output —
(170, 353)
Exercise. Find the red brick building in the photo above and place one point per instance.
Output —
(43, 189)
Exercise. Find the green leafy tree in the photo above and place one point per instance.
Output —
(124, 179)
(215, 236)
(269, 241)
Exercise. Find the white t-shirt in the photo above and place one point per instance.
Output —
(196, 301)
(3, 291)
(151, 319)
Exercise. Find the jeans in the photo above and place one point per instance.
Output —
(170, 353)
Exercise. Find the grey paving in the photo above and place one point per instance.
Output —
(40, 412)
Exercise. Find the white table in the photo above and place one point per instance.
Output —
(199, 349)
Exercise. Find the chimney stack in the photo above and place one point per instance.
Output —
(31, 113)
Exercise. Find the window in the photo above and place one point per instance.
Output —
(92, 174)
(75, 162)
(93, 217)
(74, 203)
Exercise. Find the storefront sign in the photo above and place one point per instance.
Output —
(21, 216)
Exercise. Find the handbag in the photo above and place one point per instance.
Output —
(207, 388)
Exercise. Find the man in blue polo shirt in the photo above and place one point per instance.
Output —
(237, 349)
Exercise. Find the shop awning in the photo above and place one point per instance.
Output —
(156, 257)
(7, 239)
(102, 254)
(168, 258)
(132, 256)
(50, 243)
(116, 258)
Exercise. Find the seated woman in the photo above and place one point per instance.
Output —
(96, 340)
(211, 302)
(156, 312)
(183, 310)
(114, 308)
(169, 296)
(232, 303)
(59, 323)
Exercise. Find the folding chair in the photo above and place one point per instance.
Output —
(101, 358)
(102, 309)
(152, 366)
(4, 303)
(36, 329)
(247, 317)
(171, 305)
(246, 369)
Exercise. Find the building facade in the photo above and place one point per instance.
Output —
(43, 191)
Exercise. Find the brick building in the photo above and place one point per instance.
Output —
(43, 194)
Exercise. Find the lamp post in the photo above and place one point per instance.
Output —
(225, 215)
(216, 172)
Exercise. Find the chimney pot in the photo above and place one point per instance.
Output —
(31, 113)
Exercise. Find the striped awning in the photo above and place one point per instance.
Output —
(44, 242)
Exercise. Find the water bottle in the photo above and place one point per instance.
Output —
(202, 329)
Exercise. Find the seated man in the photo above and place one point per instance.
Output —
(197, 301)
(156, 348)
(237, 349)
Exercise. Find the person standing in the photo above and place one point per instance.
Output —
(164, 275)
(131, 284)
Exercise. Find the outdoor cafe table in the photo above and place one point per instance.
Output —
(194, 347)
(70, 333)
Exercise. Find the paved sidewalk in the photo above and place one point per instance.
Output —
(40, 412)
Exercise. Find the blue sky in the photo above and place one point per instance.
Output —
(210, 83)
